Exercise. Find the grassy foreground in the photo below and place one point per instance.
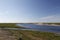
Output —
(34, 35)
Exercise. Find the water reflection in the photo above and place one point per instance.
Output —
(40, 27)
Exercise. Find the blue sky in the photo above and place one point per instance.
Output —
(29, 11)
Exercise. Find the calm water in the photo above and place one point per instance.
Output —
(40, 27)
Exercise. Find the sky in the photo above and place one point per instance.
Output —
(17, 11)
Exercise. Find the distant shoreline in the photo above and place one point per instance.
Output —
(48, 24)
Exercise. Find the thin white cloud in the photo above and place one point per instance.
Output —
(47, 17)
(54, 18)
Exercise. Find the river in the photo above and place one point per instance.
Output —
(45, 28)
(34, 27)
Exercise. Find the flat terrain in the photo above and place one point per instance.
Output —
(6, 35)
(25, 34)
(9, 25)
(35, 35)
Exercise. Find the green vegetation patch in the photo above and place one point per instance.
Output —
(34, 35)
(8, 25)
